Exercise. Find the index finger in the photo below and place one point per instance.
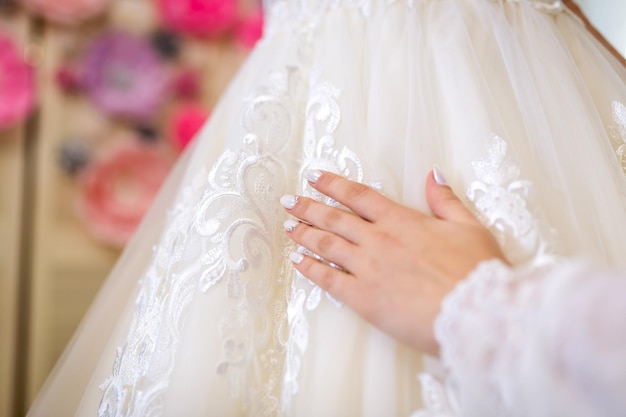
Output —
(361, 199)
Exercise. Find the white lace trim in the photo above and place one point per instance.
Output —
(500, 196)
(304, 15)
(323, 116)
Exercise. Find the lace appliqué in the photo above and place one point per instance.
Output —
(141, 365)
(240, 214)
(226, 237)
(500, 197)
(618, 133)
(323, 116)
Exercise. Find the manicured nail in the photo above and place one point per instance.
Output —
(289, 201)
(439, 178)
(290, 225)
(313, 175)
(296, 257)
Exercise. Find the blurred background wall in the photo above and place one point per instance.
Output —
(99, 99)
(609, 16)
(77, 170)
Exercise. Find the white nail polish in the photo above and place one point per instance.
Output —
(313, 175)
(290, 225)
(289, 201)
(439, 178)
(296, 257)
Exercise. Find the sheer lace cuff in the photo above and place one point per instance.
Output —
(471, 331)
(542, 342)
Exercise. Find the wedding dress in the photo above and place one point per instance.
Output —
(204, 314)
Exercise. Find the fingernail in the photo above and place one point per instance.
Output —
(313, 175)
(296, 257)
(290, 225)
(439, 178)
(288, 201)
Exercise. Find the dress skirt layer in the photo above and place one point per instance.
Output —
(204, 315)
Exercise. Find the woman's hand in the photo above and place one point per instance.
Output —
(397, 264)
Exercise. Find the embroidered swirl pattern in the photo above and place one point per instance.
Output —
(323, 116)
(229, 234)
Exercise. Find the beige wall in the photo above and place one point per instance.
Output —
(609, 17)
(50, 267)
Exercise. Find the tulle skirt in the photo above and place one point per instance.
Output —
(204, 314)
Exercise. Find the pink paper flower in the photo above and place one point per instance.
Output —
(17, 84)
(124, 76)
(117, 190)
(199, 17)
(250, 30)
(187, 85)
(67, 11)
(186, 123)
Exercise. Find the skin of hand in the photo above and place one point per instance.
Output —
(397, 264)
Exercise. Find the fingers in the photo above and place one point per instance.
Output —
(324, 217)
(442, 201)
(361, 199)
(328, 245)
(336, 282)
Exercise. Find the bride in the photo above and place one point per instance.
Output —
(205, 315)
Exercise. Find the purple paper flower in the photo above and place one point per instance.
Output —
(124, 76)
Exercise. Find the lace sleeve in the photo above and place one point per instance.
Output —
(545, 343)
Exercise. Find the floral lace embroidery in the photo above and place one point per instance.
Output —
(500, 198)
(227, 236)
(241, 207)
(135, 384)
(618, 133)
(323, 116)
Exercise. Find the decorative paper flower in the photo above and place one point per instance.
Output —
(186, 123)
(67, 11)
(187, 85)
(124, 76)
(199, 17)
(17, 84)
(250, 30)
(68, 80)
(117, 190)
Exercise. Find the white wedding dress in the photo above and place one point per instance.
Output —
(204, 315)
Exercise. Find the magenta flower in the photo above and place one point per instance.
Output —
(124, 76)
(250, 30)
(199, 17)
(118, 188)
(185, 124)
(67, 11)
(17, 84)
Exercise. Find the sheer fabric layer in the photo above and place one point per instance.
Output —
(205, 316)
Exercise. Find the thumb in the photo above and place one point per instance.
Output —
(442, 201)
